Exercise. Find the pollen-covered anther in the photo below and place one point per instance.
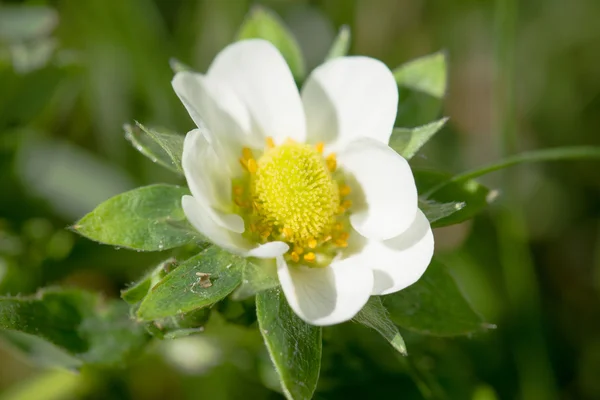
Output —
(331, 161)
(345, 190)
(319, 147)
(269, 142)
(310, 257)
(252, 166)
(312, 243)
(295, 256)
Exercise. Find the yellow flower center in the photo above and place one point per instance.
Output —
(292, 193)
(295, 192)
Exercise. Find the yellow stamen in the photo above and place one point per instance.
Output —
(338, 226)
(346, 204)
(331, 162)
(247, 153)
(298, 249)
(265, 234)
(244, 163)
(312, 243)
(345, 190)
(344, 235)
(319, 147)
(270, 143)
(340, 243)
(252, 166)
(288, 232)
(310, 257)
(238, 190)
(295, 256)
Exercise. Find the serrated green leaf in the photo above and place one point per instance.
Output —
(408, 141)
(426, 74)
(262, 23)
(138, 290)
(341, 44)
(435, 211)
(294, 345)
(475, 196)
(76, 322)
(160, 146)
(375, 316)
(198, 282)
(434, 306)
(148, 218)
(258, 275)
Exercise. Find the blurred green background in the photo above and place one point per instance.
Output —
(523, 75)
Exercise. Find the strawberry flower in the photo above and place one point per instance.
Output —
(306, 178)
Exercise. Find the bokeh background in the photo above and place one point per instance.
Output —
(522, 75)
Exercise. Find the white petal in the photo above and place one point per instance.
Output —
(213, 105)
(350, 97)
(262, 80)
(399, 262)
(384, 191)
(199, 216)
(209, 180)
(200, 219)
(329, 295)
(269, 250)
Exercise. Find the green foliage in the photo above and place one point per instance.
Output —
(180, 325)
(198, 282)
(426, 74)
(375, 316)
(434, 306)
(475, 197)
(149, 218)
(264, 24)
(435, 211)
(407, 141)
(294, 346)
(79, 324)
(160, 146)
(138, 290)
(341, 43)
(258, 275)
(20, 24)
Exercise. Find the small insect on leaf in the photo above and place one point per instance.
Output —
(203, 280)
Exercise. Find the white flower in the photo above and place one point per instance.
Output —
(306, 178)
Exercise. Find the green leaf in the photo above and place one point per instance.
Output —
(475, 196)
(180, 325)
(407, 141)
(198, 282)
(426, 74)
(262, 23)
(294, 345)
(148, 218)
(435, 211)
(553, 154)
(434, 306)
(76, 322)
(258, 275)
(160, 146)
(375, 316)
(341, 44)
(178, 66)
(137, 291)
